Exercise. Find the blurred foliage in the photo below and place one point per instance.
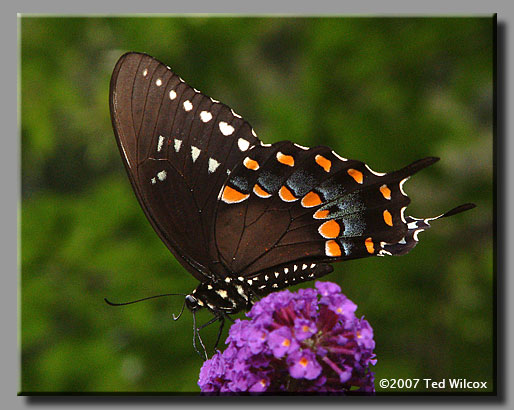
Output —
(386, 91)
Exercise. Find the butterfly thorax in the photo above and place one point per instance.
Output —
(228, 296)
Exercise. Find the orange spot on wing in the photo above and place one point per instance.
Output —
(388, 218)
(385, 191)
(369, 245)
(357, 175)
(332, 248)
(285, 159)
(321, 214)
(323, 162)
(310, 200)
(286, 195)
(251, 164)
(329, 229)
(260, 192)
(231, 195)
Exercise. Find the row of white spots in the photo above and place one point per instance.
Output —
(195, 153)
(205, 116)
(266, 277)
(213, 164)
(158, 82)
(225, 128)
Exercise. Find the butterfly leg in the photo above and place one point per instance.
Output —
(210, 322)
(196, 334)
(229, 318)
(220, 330)
(222, 318)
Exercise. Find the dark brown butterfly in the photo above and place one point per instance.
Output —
(243, 217)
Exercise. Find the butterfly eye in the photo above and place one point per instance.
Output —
(191, 302)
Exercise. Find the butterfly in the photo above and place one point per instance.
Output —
(247, 218)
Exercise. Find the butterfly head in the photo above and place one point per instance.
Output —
(192, 303)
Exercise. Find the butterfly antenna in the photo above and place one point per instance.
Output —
(181, 311)
(143, 299)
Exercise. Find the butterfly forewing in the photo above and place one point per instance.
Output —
(179, 147)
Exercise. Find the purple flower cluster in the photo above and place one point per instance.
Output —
(308, 341)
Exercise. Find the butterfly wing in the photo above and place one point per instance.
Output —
(178, 147)
(287, 210)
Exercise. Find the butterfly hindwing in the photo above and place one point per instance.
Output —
(286, 204)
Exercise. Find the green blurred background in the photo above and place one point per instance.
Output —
(387, 91)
